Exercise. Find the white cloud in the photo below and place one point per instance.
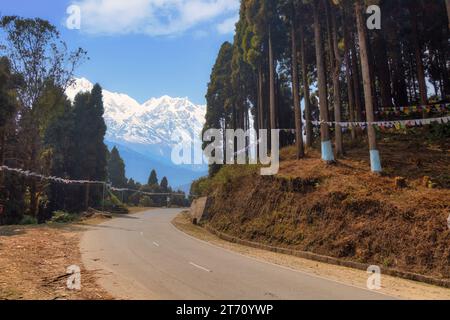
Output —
(153, 17)
(228, 25)
(200, 33)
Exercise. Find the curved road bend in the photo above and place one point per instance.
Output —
(144, 256)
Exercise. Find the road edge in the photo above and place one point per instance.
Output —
(395, 280)
(330, 260)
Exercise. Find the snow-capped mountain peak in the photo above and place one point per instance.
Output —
(148, 127)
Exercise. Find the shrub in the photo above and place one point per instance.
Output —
(146, 201)
(63, 217)
(28, 220)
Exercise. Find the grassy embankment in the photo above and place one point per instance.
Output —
(396, 220)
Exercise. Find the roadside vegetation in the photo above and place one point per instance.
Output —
(392, 286)
(53, 157)
(396, 220)
(364, 126)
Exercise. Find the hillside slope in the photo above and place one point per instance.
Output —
(397, 220)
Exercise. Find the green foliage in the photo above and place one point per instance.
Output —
(116, 169)
(164, 185)
(34, 115)
(114, 200)
(28, 220)
(90, 153)
(40, 56)
(77, 151)
(153, 179)
(226, 175)
(219, 97)
(112, 203)
(9, 82)
(11, 187)
(90, 128)
(440, 131)
(63, 217)
(200, 187)
(146, 201)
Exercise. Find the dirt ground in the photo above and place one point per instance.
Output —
(34, 260)
(400, 288)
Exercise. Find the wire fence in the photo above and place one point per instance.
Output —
(105, 185)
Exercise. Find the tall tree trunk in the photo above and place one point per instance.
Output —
(398, 71)
(412, 77)
(382, 69)
(224, 138)
(418, 55)
(375, 102)
(272, 106)
(2, 146)
(34, 199)
(355, 79)
(367, 81)
(348, 75)
(335, 61)
(295, 92)
(306, 90)
(233, 123)
(256, 121)
(447, 3)
(260, 99)
(327, 149)
(2, 157)
(443, 58)
(86, 196)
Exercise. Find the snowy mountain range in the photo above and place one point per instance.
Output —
(146, 131)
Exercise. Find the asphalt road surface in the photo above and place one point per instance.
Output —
(144, 256)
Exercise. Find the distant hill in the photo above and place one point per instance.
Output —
(138, 166)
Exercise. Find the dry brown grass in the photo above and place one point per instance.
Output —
(401, 288)
(345, 211)
(34, 260)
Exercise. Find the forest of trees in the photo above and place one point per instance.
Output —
(320, 54)
(151, 194)
(43, 133)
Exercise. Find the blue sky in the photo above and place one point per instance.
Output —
(145, 48)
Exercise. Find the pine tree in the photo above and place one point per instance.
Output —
(335, 68)
(218, 100)
(9, 82)
(305, 77)
(12, 188)
(131, 184)
(116, 169)
(327, 152)
(390, 67)
(91, 152)
(262, 18)
(447, 4)
(164, 185)
(291, 8)
(374, 154)
(42, 59)
(60, 138)
(152, 179)
(96, 103)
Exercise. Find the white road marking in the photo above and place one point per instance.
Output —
(155, 244)
(200, 267)
(276, 265)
